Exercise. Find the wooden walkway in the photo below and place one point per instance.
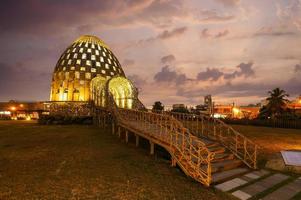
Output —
(205, 158)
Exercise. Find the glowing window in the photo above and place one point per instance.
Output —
(112, 73)
(84, 56)
(109, 60)
(101, 59)
(88, 62)
(81, 50)
(75, 55)
(103, 71)
(105, 49)
(114, 68)
(67, 75)
(82, 69)
(72, 68)
(110, 56)
(69, 62)
(93, 70)
(104, 54)
(76, 75)
(64, 68)
(115, 63)
(86, 45)
(78, 62)
(80, 44)
(63, 61)
(97, 52)
(88, 75)
(89, 50)
(93, 57)
(106, 66)
(74, 50)
(68, 50)
(98, 64)
(93, 46)
(108, 77)
(98, 47)
(68, 55)
(81, 82)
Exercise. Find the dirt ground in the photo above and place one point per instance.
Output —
(86, 162)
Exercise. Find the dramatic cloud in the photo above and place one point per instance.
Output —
(297, 68)
(173, 33)
(205, 33)
(166, 34)
(168, 59)
(213, 74)
(212, 16)
(137, 80)
(167, 75)
(210, 74)
(228, 2)
(269, 31)
(290, 13)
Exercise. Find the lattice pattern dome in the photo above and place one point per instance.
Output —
(86, 58)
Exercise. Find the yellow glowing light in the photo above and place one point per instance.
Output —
(21, 105)
(28, 118)
(13, 108)
(300, 101)
(235, 110)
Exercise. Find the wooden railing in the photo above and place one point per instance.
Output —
(209, 127)
(187, 150)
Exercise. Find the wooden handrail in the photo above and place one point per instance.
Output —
(188, 150)
(206, 126)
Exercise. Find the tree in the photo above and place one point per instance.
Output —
(276, 105)
(158, 106)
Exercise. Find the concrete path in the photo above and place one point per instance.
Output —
(286, 192)
(247, 186)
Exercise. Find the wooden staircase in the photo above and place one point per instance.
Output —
(206, 157)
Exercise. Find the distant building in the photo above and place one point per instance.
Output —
(178, 106)
(21, 110)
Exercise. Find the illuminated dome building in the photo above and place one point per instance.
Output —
(85, 70)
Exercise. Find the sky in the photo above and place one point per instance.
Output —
(175, 51)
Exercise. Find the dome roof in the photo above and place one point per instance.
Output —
(86, 58)
(89, 54)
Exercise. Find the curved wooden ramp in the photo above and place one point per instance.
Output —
(202, 158)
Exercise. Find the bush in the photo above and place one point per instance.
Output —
(64, 120)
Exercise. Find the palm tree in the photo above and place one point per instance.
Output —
(276, 103)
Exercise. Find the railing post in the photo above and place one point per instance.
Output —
(152, 148)
(137, 140)
(126, 136)
(245, 148)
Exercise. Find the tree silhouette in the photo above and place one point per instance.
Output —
(277, 104)
(158, 106)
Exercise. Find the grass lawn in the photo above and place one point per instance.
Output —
(85, 162)
(272, 140)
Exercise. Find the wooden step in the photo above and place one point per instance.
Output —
(225, 165)
(217, 149)
(223, 156)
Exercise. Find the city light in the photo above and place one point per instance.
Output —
(235, 111)
(28, 118)
(13, 108)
